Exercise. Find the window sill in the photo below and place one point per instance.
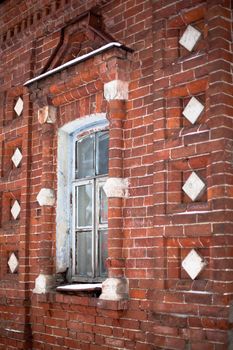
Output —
(82, 294)
(89, 287)
(92, 290)
(81, 289)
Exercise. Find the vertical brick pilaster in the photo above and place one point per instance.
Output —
(220, 118)
(25, 216)
(47, 211)
(220, 102)
(116, 93)
(204, 147)
(116, 115)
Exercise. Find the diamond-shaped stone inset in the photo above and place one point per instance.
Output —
(13, 263)
(19, 106)
(189, 38)
(193, 264)
(194, 187)
(193, 110)
(17, 157)
(15, 210)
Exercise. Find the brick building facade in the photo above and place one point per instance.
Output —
(151, 83)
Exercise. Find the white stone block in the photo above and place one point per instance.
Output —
(193, 110)
(13, 263)
(47, 114)
(46, 196)
(17, 157)
(194, 187)
(43, 284)
(19, 106)
(115, 289)
(116, 187)
(190, 38)
(116, 90)
(193, 264)
(15, 210)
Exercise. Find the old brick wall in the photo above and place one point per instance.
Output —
(153, 145)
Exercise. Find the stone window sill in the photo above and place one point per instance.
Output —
(91, 287)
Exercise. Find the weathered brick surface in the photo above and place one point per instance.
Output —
(153, 145)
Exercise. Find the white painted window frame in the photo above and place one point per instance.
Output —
(65, 217)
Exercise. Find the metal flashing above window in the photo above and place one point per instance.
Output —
(78, 60)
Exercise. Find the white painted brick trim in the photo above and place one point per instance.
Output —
(116, 90)
(47, 114)
(115, 289)
(46, 196)
(116, 187)
(43, 284)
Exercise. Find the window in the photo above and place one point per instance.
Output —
(82, 169)
(89, 206)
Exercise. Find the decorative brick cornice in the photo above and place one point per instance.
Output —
(34, 18)
(30, 21)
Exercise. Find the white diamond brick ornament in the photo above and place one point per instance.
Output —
(193, 264)
(194, 187)
(19, 106)
(46, 196)
(13, 263)
(15, 210)
(193, 110)
(190, 38)
(17, 157)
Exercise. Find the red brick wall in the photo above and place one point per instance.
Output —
(157, 149)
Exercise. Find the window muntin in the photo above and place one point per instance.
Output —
(90, 207)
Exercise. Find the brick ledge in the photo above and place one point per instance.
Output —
(81, 299)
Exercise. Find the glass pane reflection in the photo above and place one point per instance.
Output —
(84, 252)
(103, 206)
(102, 140)
(85, 157)
(84, 205)
(103, 251)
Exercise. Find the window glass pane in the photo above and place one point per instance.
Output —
(90, 206)
(84, 253)
(103, 206)
(84, 205)
(102, 140)
(85, 157)
(103, 251)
